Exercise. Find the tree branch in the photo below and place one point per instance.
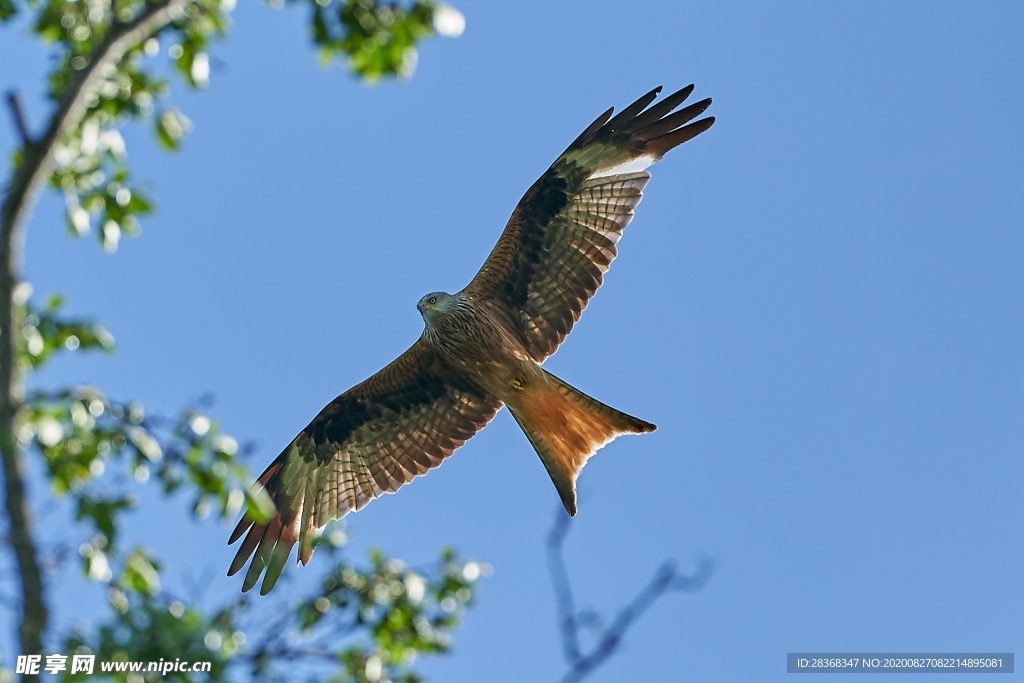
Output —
(30, 175)
(666, 579)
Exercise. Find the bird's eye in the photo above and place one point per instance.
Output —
(432, 300)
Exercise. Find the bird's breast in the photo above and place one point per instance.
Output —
(475, 342)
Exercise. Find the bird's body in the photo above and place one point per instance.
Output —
(564, 425)
(481, 349)
(472, 338)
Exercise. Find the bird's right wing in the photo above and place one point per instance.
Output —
(562, 236)
(371, 440)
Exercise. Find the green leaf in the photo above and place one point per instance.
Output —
(46, 332)
(140, 573)
(171, 127)
(7, 9)
(102, 513)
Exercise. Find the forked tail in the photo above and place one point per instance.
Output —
(566, 427)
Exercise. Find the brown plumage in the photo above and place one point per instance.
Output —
(481, 348)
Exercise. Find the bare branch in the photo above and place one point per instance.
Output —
(18, 115)
(567, 625)
(666, 579)
(30, 175)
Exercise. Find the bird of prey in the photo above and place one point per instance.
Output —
(481, 348)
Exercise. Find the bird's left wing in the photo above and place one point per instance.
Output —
(371, 440)
(562, 236)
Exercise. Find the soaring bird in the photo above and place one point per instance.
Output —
(482, 348)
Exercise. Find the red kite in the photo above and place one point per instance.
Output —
(481, 348)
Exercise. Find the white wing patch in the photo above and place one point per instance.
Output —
(634, 165)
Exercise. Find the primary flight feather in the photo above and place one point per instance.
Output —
(481, 348)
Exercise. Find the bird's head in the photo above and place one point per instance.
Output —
(434, 304)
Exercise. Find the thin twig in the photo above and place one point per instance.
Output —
(666, 579)
(563, 589)
(18, 115)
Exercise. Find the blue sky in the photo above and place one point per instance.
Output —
(818, 303)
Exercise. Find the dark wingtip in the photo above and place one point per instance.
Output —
(699, 107)
(248, 583)
(633, 110)
(275, 565)
(673, 100)
(237, 563)
(592, 128)
(240, 528)
(661, 145)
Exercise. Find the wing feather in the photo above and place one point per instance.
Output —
(371, 440)
(562, 237)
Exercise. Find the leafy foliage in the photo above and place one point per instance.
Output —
(46, 333)
(363, 624)
(378, 39)
(388, 612)
(90, 161)
(102, 456)
(80, 432)
(150, 627)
